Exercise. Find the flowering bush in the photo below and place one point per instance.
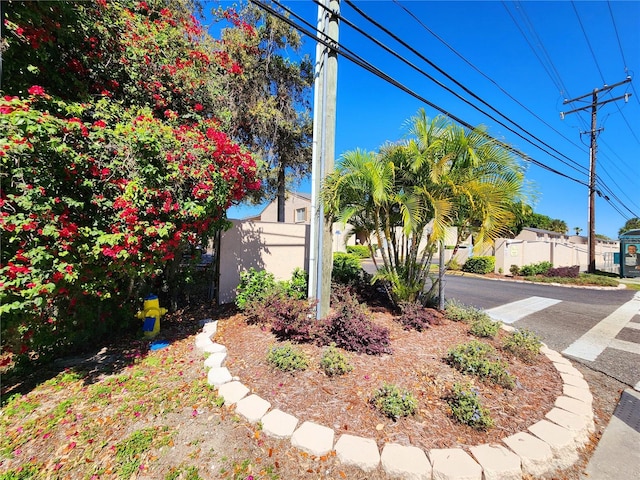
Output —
(96, 198)
(113, 161)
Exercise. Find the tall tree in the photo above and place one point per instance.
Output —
(269, 99)
(631, 224)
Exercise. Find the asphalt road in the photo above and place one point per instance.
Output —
(599, 328)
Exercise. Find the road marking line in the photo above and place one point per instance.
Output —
(635, 326)
(593, 343)
(514, 311)
(623, 345)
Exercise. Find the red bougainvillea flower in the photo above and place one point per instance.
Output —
(36, 90)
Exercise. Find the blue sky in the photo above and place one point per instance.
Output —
(538, 52)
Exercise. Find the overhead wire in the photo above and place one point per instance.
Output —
(624, 60)
(586, 37)
(496, 84)
(379, 73)
(527, 20)
(466, 89)
(440, 84)
(358, 60)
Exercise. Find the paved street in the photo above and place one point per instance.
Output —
(599, 328)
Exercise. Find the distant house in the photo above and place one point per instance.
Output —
(297, 209)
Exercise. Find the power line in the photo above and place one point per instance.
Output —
(440, 84)
(379, 73)
(529, 24)
(584, 32)
(485, 75)
(356, 59)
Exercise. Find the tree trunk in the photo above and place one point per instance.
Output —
(281, 194)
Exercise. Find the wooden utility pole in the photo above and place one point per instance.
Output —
(592, 158)
(324, 132)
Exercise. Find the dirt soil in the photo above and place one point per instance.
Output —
(76, 418)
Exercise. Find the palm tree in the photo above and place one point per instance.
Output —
(409, 193)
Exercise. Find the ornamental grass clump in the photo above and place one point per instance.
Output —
(480, 359)
(394, 402)
(524, 344)
(287, 359)
(466, 407)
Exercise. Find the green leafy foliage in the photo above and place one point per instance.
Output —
(532, 269)
(298, 286)
(394, 402)
(514, 270)
(459, 312)
(480, 359)
(466, 407)
(524, 344)
(346, 268)
(26, 471)
(361, 251)
(334, 362)
(484, 327)
(480, 265)
(287, 358)
(129, 452)
(255, 286)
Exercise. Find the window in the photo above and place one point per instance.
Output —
(301, 215)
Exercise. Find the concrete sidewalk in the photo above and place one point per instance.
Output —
(617, 455)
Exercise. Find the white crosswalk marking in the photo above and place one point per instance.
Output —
(602, 335)
(514, 311)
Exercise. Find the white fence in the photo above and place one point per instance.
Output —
(566, 254)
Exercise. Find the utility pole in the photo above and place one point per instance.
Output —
(323, 153)
(591, 239)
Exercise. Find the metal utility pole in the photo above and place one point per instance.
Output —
(592, 158)
(323, 153)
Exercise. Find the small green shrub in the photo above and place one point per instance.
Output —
(334, 362)
(254, 285)
(298, 286)
(394, 402)
(480, 265)
(459, 312)
(346, 268)
(361, 251)
(467, 409)
(514, 270)
(287, 359)
(535, 269)
(524, 344)
(479, 359)
(483, 326)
